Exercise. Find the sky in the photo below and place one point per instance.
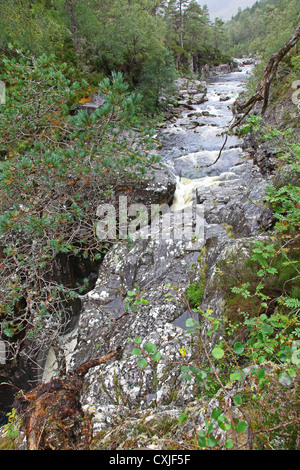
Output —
(225, 9)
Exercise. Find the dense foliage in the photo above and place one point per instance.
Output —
(56, 170)
(263, 28)
(140, 39)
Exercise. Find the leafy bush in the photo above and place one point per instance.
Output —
(56, 170)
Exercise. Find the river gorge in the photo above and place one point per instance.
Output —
(230, 194)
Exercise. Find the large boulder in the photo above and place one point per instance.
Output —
(155, 267)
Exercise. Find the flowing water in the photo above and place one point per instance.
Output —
(190, 149)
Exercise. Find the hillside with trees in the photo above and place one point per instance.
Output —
(144, 40)
(261, 29)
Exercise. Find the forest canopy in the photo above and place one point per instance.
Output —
(100, 37)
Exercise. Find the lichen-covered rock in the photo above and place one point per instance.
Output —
(106, 324)
(238, 200)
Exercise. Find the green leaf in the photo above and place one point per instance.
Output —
(223, 423)
(267, 329)
(138, 340)
(238, 348)
(142, 363)
(237, 400)
(150, 348)
(284, 379)
(217, 352)
(260, 373)
(136, 352)
(182, 418)
(228, 444)
(186, 376)
(211, 441)
(216, 413)
(156, 356)
(241, 427)
(202, 442)
(190, 322)
(235, 376)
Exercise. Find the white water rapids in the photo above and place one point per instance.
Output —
(200, 147)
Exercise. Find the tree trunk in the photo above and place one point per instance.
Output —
(70, 7)
(53, 418)
(263, 90)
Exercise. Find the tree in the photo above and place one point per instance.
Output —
(56, 171)
(175, 12)
(70, 7)
(263, 89)
(30, 26)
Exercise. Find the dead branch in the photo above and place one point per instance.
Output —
(241, 110)
(263, 89)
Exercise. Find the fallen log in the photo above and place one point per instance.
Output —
(53, 418)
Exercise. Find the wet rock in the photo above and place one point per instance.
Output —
(238, 201)
(208, 71)
(95, 103)
(225, 98)
(198, 98)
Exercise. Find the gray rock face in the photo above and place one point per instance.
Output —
(238, 200)
(233, 207)
(105, 324)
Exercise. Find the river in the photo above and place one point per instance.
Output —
(193, 141)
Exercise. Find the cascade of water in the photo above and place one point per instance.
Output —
(200, 145)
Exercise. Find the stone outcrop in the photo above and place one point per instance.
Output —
(162, 270)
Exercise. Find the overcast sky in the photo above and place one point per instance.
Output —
(225, 9)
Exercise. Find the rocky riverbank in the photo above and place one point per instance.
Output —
(162, 270)
(140, 294)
